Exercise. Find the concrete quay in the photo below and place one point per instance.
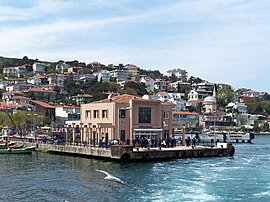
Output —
(127, 153)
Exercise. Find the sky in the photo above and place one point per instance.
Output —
(224, 41)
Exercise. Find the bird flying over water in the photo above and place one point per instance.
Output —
(110, 177)
(248, 160)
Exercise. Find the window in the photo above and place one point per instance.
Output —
(166, 115)
(95, 116)
(123, 135)
(88, 114)
(122, 113)
(144, 115)
(104, 113)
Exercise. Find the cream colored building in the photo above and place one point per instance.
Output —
(126, 117)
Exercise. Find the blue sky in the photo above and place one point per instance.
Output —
(223, 41)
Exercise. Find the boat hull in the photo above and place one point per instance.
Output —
(27, 150)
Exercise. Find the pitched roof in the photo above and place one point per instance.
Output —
(13, 92)
(185, 113)
(38, 90)
(21, 97)
(167, 103)
(119, 99)
(40, 77)
(43, 104)
(83, 95)
(162, 93)
(194, 101)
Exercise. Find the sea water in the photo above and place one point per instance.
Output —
(48, 177)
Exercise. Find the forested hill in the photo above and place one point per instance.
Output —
(10, 62)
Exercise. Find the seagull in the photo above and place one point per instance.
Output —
(248, 160)
(110, 177)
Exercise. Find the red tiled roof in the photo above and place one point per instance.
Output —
(53, 85)
(69, 107)
(20, 97)
(68, 72)
(40, 77)
(3, 104)
(194, 101)
(13, 92)
(119, 99)
(16, 79)
(38, 90)
(83, 95)
(185, 113)
(162, 93)
(43, 104)
(168, 103)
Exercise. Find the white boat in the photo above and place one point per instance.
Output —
(211, 137)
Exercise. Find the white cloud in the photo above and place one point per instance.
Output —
(217, 40)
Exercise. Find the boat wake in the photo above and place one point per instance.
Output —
(215, 164)
(110, 177)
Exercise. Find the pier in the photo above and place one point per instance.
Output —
(126, 153)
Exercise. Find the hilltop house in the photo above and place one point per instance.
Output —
(14, 71)
(83, 98)
(103, 76)
(120, 75)
(39, 68)
(149, 83)
(179, 73)
(40, 94)
(37, 80)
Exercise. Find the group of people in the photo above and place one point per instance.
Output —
(145, 142)
(190, 142)
(149, 142)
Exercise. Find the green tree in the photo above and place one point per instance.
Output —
(194, 80)
(139, 88)
(224, 96)
(71, 87)
(265, 127)
(266, 106)
(19, 119)
(256, 127)
(4, 119)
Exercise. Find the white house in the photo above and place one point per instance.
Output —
(251, 93)
(120, 75)
(103, 76)
(180, 73)
(66, 113)
(198, 95)
(38, 68)
(161, 84)
(149, 83)
(56, 79)
(14, 71)
(37, 80)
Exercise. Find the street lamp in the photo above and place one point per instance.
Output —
(32, 125)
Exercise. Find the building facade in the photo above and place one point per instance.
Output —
(126, 117)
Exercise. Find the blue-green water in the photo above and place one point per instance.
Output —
(48, 177)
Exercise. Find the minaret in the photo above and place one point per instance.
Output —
(214, 92)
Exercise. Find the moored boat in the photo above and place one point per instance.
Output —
(211, 137)
(24, 150)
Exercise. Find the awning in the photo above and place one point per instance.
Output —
(147, 130)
